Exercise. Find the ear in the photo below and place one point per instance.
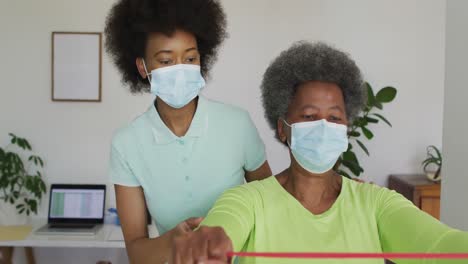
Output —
(141, 68)
(282, 130)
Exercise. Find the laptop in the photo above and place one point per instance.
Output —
(75, 209)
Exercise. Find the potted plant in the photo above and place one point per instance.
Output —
(432, 165)
(348, 164)
(21, 184)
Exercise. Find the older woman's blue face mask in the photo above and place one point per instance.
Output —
(315, 126)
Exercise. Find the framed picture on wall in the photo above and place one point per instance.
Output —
(76, 66)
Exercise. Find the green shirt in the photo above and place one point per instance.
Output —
(263, 217)
(183, 176)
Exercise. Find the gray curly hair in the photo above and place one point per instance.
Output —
(304, 62)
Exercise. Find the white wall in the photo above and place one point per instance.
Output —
(399, 43)
(73, 138)
(455, 181)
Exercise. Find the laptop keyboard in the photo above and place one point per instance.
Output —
(71, 226)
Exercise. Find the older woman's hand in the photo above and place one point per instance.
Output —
(207, 245)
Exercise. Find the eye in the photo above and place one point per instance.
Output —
(165, 62)
(334, 118)
(308, 116)
(191, 59)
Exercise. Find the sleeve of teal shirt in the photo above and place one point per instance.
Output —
(405, 228)
(254, 149)
(234, 212)
(120, 172)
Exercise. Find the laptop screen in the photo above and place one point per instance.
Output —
(80, 203)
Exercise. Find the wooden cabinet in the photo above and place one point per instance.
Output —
(424, 193)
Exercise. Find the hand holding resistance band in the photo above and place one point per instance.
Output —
(207, 245)
(211, 245)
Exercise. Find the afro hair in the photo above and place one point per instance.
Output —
(304, 62)
(130, 21)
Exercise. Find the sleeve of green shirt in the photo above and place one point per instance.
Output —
(405, 228)
(234, 212)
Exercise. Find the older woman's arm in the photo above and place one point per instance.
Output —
(405, 228)
(234, 212)
(226, 228)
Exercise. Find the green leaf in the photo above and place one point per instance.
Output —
(351, 162)
(354, 134)
(350, 156)
(2, 154)
(386, 94)
(40, 161)
(26, 144)
(439, 155)
(369, 135)
(19, 206)
(43, 186)
(363, 147)
(21, 143)
(21, 211)
(343, 173)
(372, 120)
(353, 167)
(383, 119)
(33, 204)
(370, 95)
(378, 105)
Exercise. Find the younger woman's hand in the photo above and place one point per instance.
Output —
(207, 245)
(186, 226)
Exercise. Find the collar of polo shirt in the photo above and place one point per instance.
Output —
(163, 135)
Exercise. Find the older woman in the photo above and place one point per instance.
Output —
(311, 92)
(180, 155)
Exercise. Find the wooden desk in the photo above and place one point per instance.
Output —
(105, 238)
(424, 193)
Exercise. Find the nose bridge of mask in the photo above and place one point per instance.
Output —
(308, 131)
(318, 144)
(180, 82)
(166, 80)
(323, 135)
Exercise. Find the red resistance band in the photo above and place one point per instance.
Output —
(302, 255)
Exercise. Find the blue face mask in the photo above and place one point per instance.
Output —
(176, 85)
(317, 145)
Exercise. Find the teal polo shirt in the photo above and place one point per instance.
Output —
(183, 176)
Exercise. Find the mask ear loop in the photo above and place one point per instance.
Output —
(286, 123)
(146, 71)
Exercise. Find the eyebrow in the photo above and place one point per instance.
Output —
(309, 106)
(336, 107)
(170, 51)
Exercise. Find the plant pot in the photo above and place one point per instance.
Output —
(9, 215)
(431, 175)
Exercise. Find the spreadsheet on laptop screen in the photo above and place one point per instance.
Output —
(76, 203)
